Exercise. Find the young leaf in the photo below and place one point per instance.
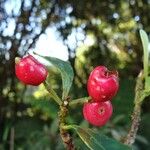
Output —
(145, 43)
(147, 84)
(66, 72)
(97, 141)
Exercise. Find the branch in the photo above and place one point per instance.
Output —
(12, 138)
(136, 115)
(66, 137)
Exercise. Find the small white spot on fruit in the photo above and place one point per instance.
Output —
(31, 68)
(25, 76)
(103, 96)
(42, 70)
(92, 82)
(98, 88)
(21, 64)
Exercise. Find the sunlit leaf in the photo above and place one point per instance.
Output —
(145, 43)
(147, 83)
(66, 72)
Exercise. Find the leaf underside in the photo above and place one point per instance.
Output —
(97, 141)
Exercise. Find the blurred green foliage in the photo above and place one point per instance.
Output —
(96, 33)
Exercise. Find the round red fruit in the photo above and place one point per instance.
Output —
(96, 113)
(102, 84)
(30, 71)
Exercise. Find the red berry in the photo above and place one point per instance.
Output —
(102, 84)
(30, 71)
(97, 113)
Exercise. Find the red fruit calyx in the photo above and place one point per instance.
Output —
(102, 84)
(97, 113)
(30, 71)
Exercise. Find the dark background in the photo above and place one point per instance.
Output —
(27, 116)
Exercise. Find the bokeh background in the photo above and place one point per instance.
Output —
(87, 33)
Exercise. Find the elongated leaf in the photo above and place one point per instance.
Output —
(145, 43)
(97, 141)
(66, 72)
(147, 83)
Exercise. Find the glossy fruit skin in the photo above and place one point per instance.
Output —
(30, 71)
(97, 113)
(102, 84)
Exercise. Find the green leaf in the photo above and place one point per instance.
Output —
(66, 72)
(147, 83)
(7, 130)
(97, 141)
(145, 43)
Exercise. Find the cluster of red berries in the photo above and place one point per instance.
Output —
(102, 86)
(30, 71)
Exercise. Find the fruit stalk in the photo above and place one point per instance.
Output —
(52, 93)
(79, 101)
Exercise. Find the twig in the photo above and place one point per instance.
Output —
(130, 139)
(66, 137)
(12, 137)
(136, 115)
